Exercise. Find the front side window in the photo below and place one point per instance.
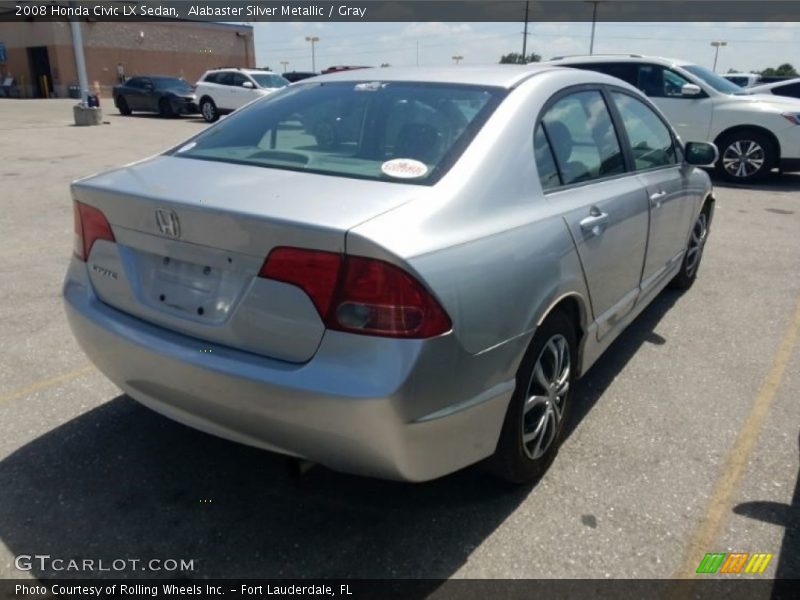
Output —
(237, 79)
(134, 82)
(395, 131)
(658, 82)
(583, 138)
(269, 80)
(651, 141)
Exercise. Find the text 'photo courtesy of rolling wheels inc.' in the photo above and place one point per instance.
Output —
(408, 299)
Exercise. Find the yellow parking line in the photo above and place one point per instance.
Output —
(46, 383)
(719, 503)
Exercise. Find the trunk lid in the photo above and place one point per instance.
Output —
(191, 236)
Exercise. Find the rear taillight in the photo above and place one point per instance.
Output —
(90, 225)
(312, 270)
(359, 294)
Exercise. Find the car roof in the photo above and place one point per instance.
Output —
(604, 58)
(239, 70)
(506, 76)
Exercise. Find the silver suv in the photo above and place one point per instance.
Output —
(755, 133)
(221, 91)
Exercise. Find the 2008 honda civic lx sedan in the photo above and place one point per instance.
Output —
(391, 272)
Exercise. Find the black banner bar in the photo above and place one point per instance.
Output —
(402, 10)
(730, 588)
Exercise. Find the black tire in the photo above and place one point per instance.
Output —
(741, 151)
(165, 108)
(122, 106)
(515, 460)
(694, 252)
(209, 110)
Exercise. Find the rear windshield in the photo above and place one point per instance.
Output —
(395, 131)
(269, 80)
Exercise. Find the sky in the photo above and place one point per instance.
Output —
(750, 46)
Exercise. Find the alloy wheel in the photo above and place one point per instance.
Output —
(208, 111)
(546, 396)
(696, 243)
(743, 158)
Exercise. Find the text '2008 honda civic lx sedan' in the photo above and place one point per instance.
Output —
(390, 272)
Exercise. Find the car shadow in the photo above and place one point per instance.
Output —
(787, 571)
(121, 482)
(590, 388)
(154, 115)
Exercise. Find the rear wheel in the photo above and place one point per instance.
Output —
(209, 110)
(534, 424)
(122, 106)
(745, 156)
(694, 253)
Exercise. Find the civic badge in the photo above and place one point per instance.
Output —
(168, 223)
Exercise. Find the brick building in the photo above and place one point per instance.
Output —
(40, 56)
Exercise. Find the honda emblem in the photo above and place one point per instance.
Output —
(168, 223)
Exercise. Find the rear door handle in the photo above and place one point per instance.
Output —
(595, 222)
(656, 198)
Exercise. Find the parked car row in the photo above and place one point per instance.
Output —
(219, 91)
(755, 132)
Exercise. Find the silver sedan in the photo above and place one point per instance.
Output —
(391, 272)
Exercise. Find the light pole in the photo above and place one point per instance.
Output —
(457, 59)
(716, 45)
(525, 35)
(313, 39)
(594, 23)
(284, 64)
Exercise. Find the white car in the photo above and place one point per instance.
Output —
(755, 133)
(789, 88)
(221, 91)
(743, 80)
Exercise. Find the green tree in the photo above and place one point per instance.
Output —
(784, 70)
(516, 58)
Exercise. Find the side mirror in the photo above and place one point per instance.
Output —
(149, 87)
(691, 89)
(248, 84)
(701, 154)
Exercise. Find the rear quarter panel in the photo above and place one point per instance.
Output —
(493, 251)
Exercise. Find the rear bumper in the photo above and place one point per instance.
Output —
(399, 409)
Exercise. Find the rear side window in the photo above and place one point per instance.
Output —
(545, 162)
(792, 90)
(651, 141)
(628, 72)
(583, 138)
(394, 131)
(212, 78)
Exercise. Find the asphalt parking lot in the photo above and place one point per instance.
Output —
(684, 439)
